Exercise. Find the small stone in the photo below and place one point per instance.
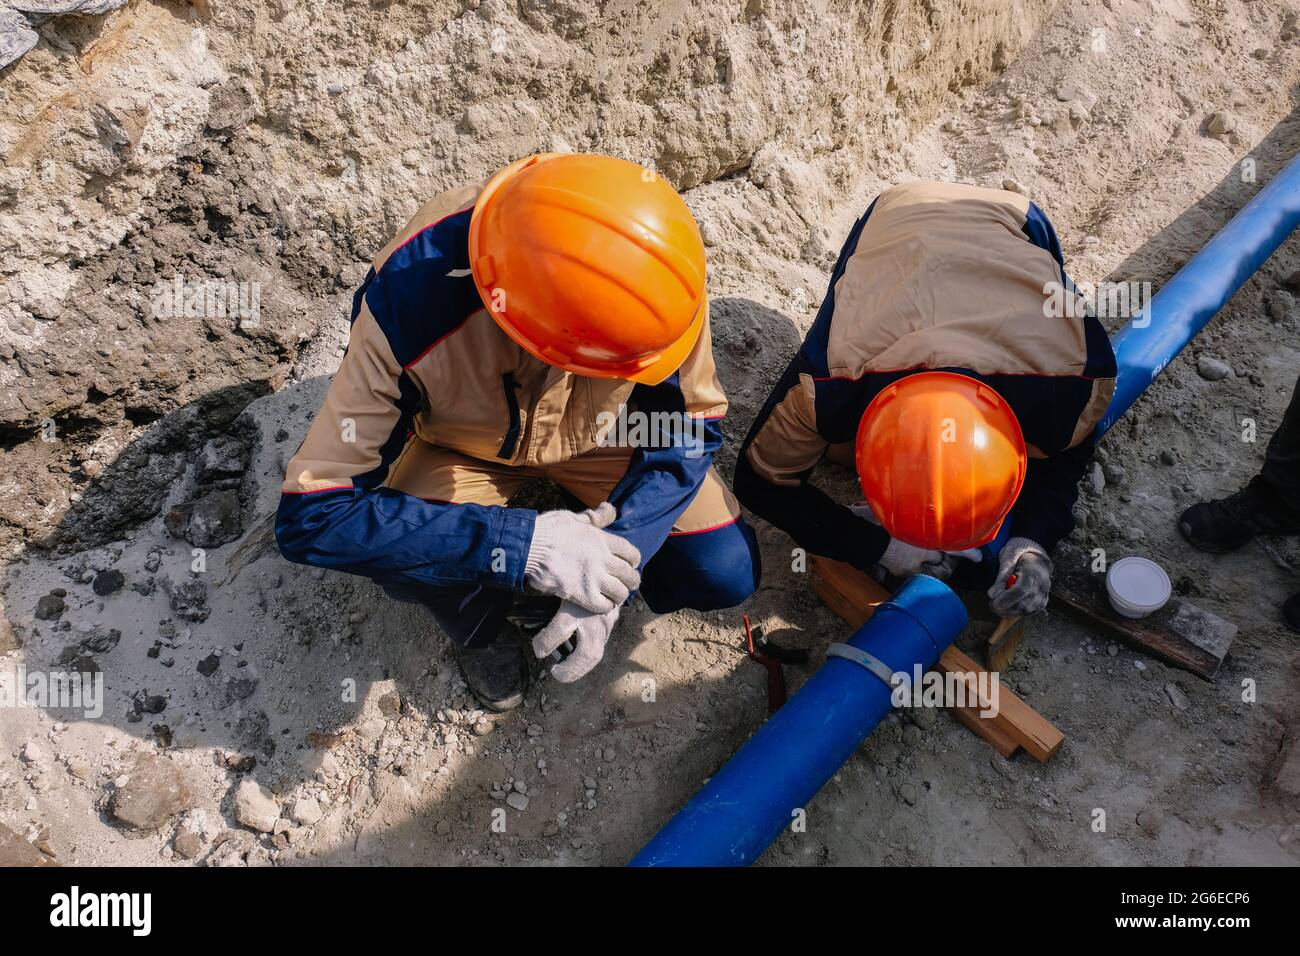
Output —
(1015, 186)
(1113, 650)
(154, 791)
(306, 811)
(1096, 479)
(518, 801)
(188, 844)
(443, 828)
(106, 582)
(908, 792)
(610, 754)
(1221, 123)
(1177, 697)
(255, 806)
(208, 666)
(1211, 369)
(483, 727)
(49, 607)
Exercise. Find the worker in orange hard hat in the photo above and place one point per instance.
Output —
(941, 364)
(550, 324)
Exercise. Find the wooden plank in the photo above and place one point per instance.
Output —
(1026, 726)
(854, 597)
(1180, 633)
(992, 734)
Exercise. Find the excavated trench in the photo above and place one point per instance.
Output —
(273, 147)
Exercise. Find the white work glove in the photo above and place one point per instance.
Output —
(903, 559)
(571, 558)
(1032, 567)
(591, 630)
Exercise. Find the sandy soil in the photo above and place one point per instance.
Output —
(1115, 142)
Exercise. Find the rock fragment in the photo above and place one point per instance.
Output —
(306, 811)
(1211, 369)
(156, 790)
(255, 806)
(107, 582)
(49, 607)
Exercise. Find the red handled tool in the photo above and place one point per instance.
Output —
(771, 656)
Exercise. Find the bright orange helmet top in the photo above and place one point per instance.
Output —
(941, 459)
(592, 264)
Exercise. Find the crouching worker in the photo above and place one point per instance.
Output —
(968, 401)
(513, 333)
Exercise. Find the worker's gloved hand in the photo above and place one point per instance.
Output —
(590, 631)
(1032, 568)
(904, 559)
(572, 558)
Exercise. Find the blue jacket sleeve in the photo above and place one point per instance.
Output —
(661, 481)
(393, 537)
(334, 512)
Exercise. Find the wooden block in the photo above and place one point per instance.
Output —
(1026, 726)
(854, 597)
(1180, 632)
(995, 736)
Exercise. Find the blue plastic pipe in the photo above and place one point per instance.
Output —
(739, 812)
(734, 818)
(1153, 336)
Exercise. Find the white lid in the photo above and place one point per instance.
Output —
(1139, 582)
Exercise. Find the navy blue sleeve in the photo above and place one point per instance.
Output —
(660, 482)
(807, 514)
(392, 537)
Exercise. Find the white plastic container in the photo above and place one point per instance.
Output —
(1137, 587)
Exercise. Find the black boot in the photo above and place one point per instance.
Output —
(1291, 612)
(497, 675)
(1227, 523)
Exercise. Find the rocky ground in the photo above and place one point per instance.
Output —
(259, 712)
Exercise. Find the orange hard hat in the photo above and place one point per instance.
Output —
(941, 459)
(590, 263)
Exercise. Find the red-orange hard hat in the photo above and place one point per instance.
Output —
(590, 263)
(941, 459)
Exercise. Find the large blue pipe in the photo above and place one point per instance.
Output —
(750, 800)
(1153, 336)
(731, 821)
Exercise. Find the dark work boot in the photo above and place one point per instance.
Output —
(497, 675)
(1227, 523)
(1291, 612)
